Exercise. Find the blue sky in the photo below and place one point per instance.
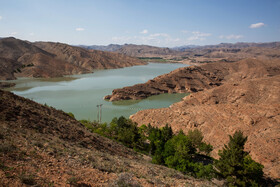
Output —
(165, 23)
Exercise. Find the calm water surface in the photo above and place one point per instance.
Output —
(80, 94)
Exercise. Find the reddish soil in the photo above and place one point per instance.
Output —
(248, 99)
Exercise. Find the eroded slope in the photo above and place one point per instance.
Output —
(251, 105)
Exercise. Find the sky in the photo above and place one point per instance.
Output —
(163, 23)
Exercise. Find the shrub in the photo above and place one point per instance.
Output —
(71, 115)
(27, 179)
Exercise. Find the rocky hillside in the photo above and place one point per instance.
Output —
(198, 78)
(45, 59)
(248, 99)
(42, 146)
(88, 59)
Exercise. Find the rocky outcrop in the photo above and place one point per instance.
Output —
(197, 78)
(248, 100)
(46, 59)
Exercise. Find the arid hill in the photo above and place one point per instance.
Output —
(247, 99)
(238, 45)
(146, 51)
(45, 59)
(111, 47)
(46, 147)
(88, 59)
(252, 106)
(198, 78)
(225, 97)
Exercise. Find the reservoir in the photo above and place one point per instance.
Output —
(80, 94)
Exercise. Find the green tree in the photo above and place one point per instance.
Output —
(236, 165)
(178, 152)
(166, 133)
(196, 138)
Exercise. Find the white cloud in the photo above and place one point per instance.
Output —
(159, 35)
(145, 31)
(232, 36)
(14, 33)
(1, 17)
(185, 31)
(256, 25)
(198, 36)
(80, 29)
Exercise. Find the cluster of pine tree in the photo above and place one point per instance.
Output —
(185, 152)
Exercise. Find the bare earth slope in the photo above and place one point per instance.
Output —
(88, 59)
(198, 78)
(248, 100)
(42, 146)
(45, 59)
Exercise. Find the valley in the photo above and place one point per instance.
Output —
(227, 88)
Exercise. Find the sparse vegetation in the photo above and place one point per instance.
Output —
(174, 151)
(73, 181)
(28, 179)
(64, 152)
(71, 115)
(186, 153)
(125, 180)
(154, 59)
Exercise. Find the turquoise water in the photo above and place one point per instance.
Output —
(80, 94)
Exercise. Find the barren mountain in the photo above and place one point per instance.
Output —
(252, 105)
(111, 47)
(238, 45)
(45, 147)
(244, 95)
(45, 59)
(88, 59)
(225, 97)
(199, 54)
(198, 78)
(146, 51)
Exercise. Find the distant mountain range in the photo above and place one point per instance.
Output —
(153, 51)
(111, 47)
(20, 58)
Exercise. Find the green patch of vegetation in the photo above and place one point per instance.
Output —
(73, 181)
(18, 70)
(186, 153)
(150, 58)
(125, 180)
(7, 148)
(3, 167)
(71, 115)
